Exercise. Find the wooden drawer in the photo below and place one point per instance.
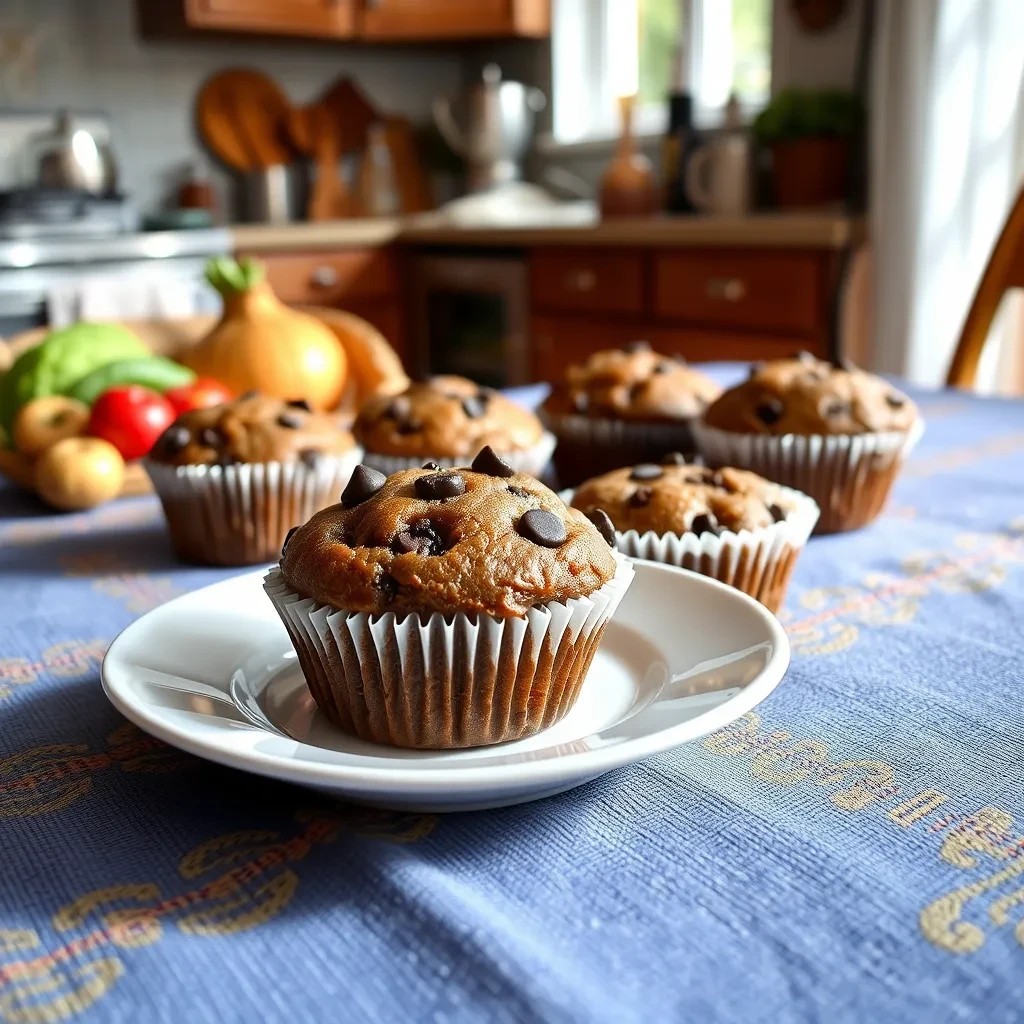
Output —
(764, 291)
(331, 278)
(575, 279)
(558, 341)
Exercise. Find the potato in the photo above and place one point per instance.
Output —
(43, 422)
(79, 472)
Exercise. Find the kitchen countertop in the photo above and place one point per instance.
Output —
(769, 230)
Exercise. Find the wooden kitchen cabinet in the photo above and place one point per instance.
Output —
(410, 20)
(319, 19)
(576, 279)
(370, 20)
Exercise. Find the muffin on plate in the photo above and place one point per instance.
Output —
(836, 433)
(447, 420)
(624, 406)
(726, 523)
(441, 608)
(234, 479)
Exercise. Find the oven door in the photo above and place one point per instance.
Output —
(470, 317)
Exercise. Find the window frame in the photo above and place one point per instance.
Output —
(582, 79)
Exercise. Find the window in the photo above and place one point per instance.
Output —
(608, 48)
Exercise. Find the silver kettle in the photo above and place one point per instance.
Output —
(490, 125)
(69, 157)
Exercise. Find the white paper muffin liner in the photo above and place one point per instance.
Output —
(532, 460)
(440, 682)
(758, 562)
(589, 446)
(240, 514)
(848, 475)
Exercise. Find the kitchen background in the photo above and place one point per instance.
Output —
(516, 289)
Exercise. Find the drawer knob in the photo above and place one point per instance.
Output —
(581, 281)
(324, 277)
(731, 289)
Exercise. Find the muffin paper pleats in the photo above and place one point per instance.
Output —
(439, 682)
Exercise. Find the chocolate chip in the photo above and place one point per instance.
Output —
(755, 369)
(581, 402)
(300, 403)
(704, 522)
(473, 407)
(646, 471)
(311, 458)
(420, 539)
(174, 440)
(490, 462)
(662, 368)
(541, 527)
(640, 497)
(604, 525)
(895, 401)
(211, 437)
(251, 393)
(637, 346)
(409, 427)
(836, 408)
(769, 411)
(438, 486)
(365, 483)
(287, 537)
(777, 513)
(519, 492)
(398, 408)
(431, 465)
(289, 420)
(637, 390)
(673, 459)
(388, 586)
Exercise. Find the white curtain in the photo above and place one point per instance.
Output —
(947, 157)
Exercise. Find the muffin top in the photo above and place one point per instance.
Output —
(447, 417)
(674, 497)
(632, 383)
(480, 540)
(253, 428)
(804, 395)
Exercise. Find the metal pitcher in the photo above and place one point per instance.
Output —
(490, 125)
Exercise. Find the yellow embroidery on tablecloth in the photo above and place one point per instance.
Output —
(252, 878)
(839, 614)
(49, 778)
(970, 842)
(70, 659)
(113, 575)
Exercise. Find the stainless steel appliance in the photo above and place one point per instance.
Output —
(69, 156)
(490, 125)
(470, 317)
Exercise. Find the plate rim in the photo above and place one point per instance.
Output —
(417, 777)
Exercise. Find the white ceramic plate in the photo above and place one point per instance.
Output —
(213, 673)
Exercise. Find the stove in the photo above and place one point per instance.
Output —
(40, 213)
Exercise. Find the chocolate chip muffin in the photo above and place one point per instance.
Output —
(624, 406)
(726, 523)
(445, 608)
(254, 428)
(448, 419)
(234, 478)
(835, 432)
(804, 395)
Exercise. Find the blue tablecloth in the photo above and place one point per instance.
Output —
(850, 851)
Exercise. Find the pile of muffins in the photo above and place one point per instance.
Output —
(451, 599)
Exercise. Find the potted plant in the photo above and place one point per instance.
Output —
(809, 135)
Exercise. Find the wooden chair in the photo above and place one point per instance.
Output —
(1005, 270)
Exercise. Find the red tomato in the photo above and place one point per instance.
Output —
(131, 418)
(200, 394)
